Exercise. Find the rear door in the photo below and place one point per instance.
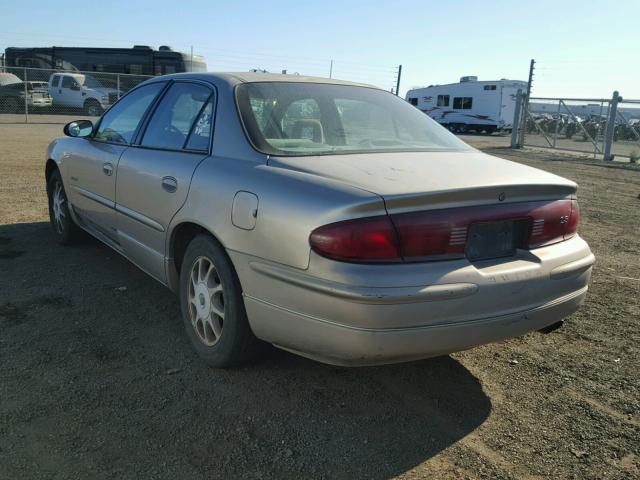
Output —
(155, 174)
(90, 166)
(54, 83)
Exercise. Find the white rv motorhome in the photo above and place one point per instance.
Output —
(470, 105)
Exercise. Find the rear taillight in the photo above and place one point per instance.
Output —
(371, 239)
(442, 234)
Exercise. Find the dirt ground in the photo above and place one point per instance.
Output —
(98, 381)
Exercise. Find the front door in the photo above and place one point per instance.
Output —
(91, 169)
(154, 176)
(70, 92)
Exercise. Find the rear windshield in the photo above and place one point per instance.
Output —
(287, 118)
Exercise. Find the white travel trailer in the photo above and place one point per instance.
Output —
(470, 105)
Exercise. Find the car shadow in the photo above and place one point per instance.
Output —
(100, 377)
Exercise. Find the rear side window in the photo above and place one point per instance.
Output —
(201, 131)
(121, 121)
(180, 111)
(463, 103)
(55, 80)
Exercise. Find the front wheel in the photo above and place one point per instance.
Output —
(92, 108)
(212, 306)
(64, 229)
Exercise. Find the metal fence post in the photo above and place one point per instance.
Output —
(26, 98)
(517, 120)
(525, 114)
(118, 86)
(611, 126)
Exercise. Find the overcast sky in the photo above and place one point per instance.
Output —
(582, 49)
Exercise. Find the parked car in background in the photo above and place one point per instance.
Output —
(13, 92)
(78, 90)
(328, 218)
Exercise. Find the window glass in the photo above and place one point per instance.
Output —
(120, 122)
(443, 100)
(294, 118)
(68, 82)
(413, 101)
(362, 122)
(463, 103)
(199, 137)
(302, 120)
(55, 80)
(262, 108)
(176, 113)
(489, 87)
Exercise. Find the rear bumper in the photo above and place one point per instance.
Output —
(349, 314)
(336, 344)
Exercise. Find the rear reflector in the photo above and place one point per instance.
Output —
(441, 234)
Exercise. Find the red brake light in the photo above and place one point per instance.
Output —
(442, 234)
(371, 239)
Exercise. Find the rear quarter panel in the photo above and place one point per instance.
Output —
(291, 204)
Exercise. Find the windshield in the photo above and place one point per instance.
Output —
(293, 119)
(91, 82)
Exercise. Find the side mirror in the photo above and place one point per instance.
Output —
(79, 128)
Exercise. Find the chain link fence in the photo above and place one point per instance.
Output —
(607, 127)
(35, 95)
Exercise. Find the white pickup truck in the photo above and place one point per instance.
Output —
(78, 90)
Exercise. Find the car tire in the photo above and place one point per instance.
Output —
(65, 231)
(212, 305)
(92, 108)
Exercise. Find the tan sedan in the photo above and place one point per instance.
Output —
(328, 218)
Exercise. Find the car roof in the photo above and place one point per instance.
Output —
(234, 78)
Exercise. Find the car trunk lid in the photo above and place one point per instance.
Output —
(410, 181)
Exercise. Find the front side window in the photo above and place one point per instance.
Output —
(178, 111)
(69, 82)
(462, 103)
(297, 118)
(443, 100)
(121, 121)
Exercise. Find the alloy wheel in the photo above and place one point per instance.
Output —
(57, 202)
(206, 301)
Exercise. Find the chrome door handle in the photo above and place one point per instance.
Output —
(107, 169)
(169, 184)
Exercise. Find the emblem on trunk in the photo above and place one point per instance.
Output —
(502, 196)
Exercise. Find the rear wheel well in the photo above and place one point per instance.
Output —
(182, 236)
